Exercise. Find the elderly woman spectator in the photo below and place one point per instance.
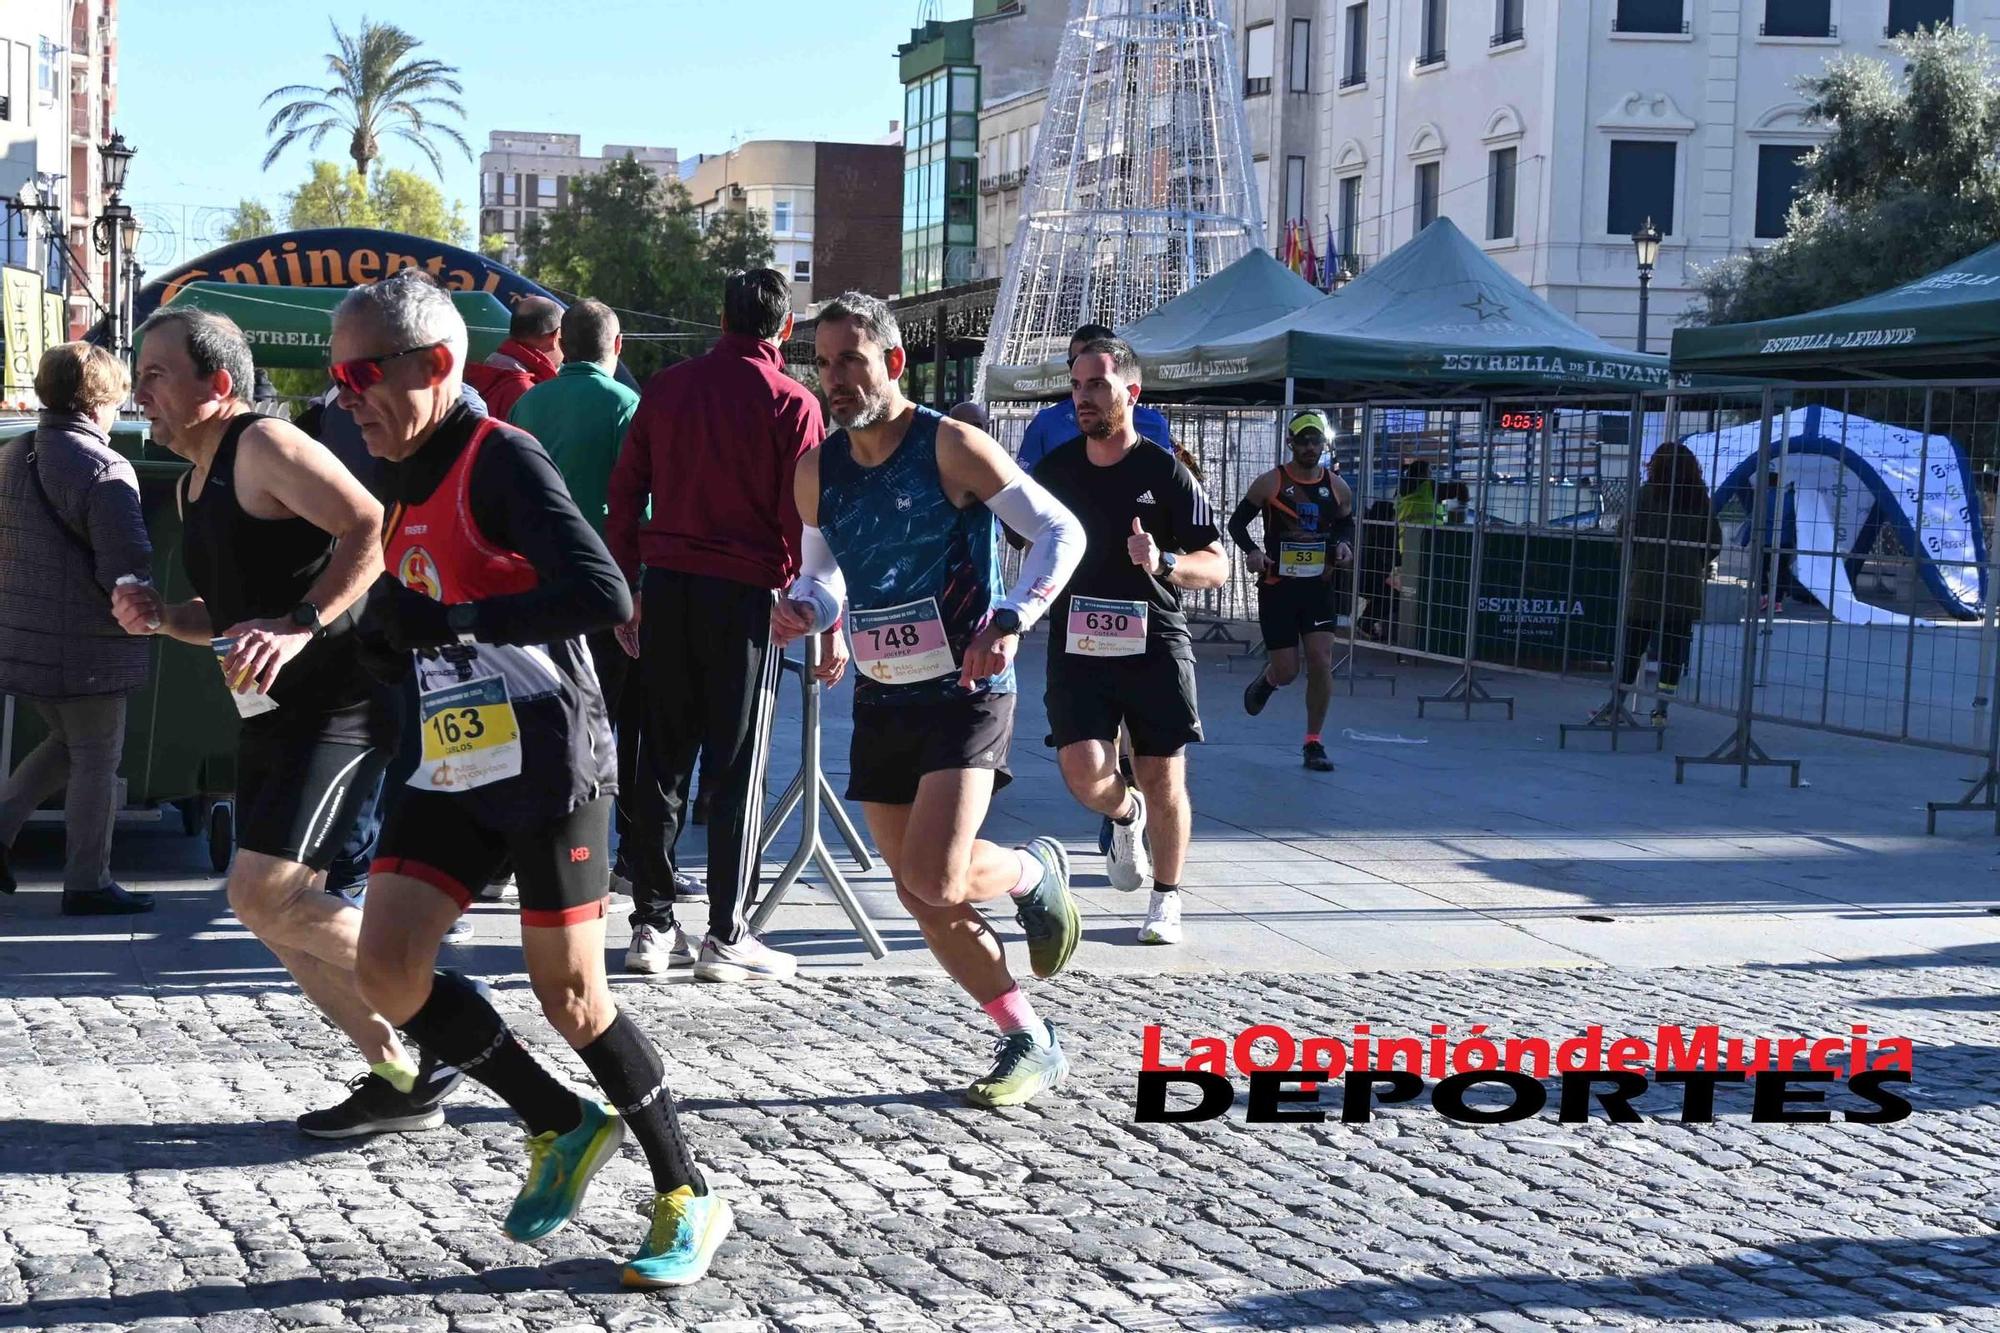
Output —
(70, 529)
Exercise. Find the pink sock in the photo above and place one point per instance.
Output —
(1012, 1013)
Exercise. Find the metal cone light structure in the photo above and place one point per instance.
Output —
(1140, 185)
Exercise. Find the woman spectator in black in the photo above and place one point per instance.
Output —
(1674, 540)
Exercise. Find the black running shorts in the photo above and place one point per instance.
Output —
(302, 779)
(1290, 609)
(1153, 696)
(562, 865)
(896, 744)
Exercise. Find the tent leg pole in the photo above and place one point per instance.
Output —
(1614, 717)
(1740, 749)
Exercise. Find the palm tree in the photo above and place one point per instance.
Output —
(376, 90)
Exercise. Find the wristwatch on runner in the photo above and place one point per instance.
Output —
(460, 620)
(1166, 566)
(306, 616)
(1006, 620)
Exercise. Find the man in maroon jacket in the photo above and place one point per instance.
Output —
(530, 355)
(713, 446)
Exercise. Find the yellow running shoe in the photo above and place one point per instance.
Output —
(559, 1170)
(687, 1230)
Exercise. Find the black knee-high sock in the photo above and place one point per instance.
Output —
(459, 1026)
(627, 1067)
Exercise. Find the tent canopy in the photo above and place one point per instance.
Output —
(290, 328)
(1437, 318)
(1254, 290)
(1943, 325)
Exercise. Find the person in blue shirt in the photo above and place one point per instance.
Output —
(1055, 425)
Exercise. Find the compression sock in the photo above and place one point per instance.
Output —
(1161, 886)
(1012, 1013)
(627, 1068)
(461, 1027)
(1031, 873)
(398, 1074)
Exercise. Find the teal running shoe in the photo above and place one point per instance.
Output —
(1023, 1069)
(559, 1170)
(687, 1231)
(1047, 913)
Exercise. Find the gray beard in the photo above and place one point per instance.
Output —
(873, 411)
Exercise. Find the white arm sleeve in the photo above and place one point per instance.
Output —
(1056, 544)
(820, 583)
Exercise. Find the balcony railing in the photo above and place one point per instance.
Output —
(1428, 58)
(1798, 30)
(1354, 78)
(1640, 24)
(1506, 35)
(1256, 87)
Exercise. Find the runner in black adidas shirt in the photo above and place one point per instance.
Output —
(1118, 649)
(493, 579)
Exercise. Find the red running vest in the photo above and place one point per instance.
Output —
(436, 548)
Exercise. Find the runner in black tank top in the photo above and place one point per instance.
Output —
(280, 543)
(1308, 514)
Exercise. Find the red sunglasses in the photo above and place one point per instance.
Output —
(365, 372)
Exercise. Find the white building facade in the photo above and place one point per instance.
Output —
(1550, 130)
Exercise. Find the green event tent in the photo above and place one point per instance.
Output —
(1943, 325)
(1254, 290)
(1438, 318)
(290, 328)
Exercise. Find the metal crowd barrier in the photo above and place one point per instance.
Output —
(1497, 536)
(811, 794)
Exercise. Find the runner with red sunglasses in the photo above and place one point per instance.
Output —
(493, 579)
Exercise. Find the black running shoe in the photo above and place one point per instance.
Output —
(1257, 693)
(1316, 758)
(372, 1107)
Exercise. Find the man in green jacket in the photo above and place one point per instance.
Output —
(580, 417)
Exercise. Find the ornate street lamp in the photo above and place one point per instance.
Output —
(115, 231)
(1646, 242)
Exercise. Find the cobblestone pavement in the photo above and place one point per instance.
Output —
(152, 1178)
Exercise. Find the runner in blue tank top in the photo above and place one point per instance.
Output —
(902, 510)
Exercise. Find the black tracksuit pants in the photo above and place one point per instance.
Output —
(710, 682)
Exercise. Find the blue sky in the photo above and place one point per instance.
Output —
(687, 74)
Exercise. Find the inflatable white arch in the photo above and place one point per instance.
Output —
(1851, 476)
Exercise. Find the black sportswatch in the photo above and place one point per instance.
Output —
(1006, 620)
(306, 616)
(1167, 562)
(461, 619)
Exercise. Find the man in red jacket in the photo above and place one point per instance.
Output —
(530, 355)
(713, 446)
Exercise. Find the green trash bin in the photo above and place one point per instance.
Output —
(180, 727)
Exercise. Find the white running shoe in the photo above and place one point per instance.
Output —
(1130, 864)
(500, 891)
(1163, 920)
(749, 959)
(461, 931)
(654, 949)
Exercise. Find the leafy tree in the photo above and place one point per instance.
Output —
(393, 200)
(493, 246)
(378, 88)
(1908, 182)
(637, 242)
(251, 219)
